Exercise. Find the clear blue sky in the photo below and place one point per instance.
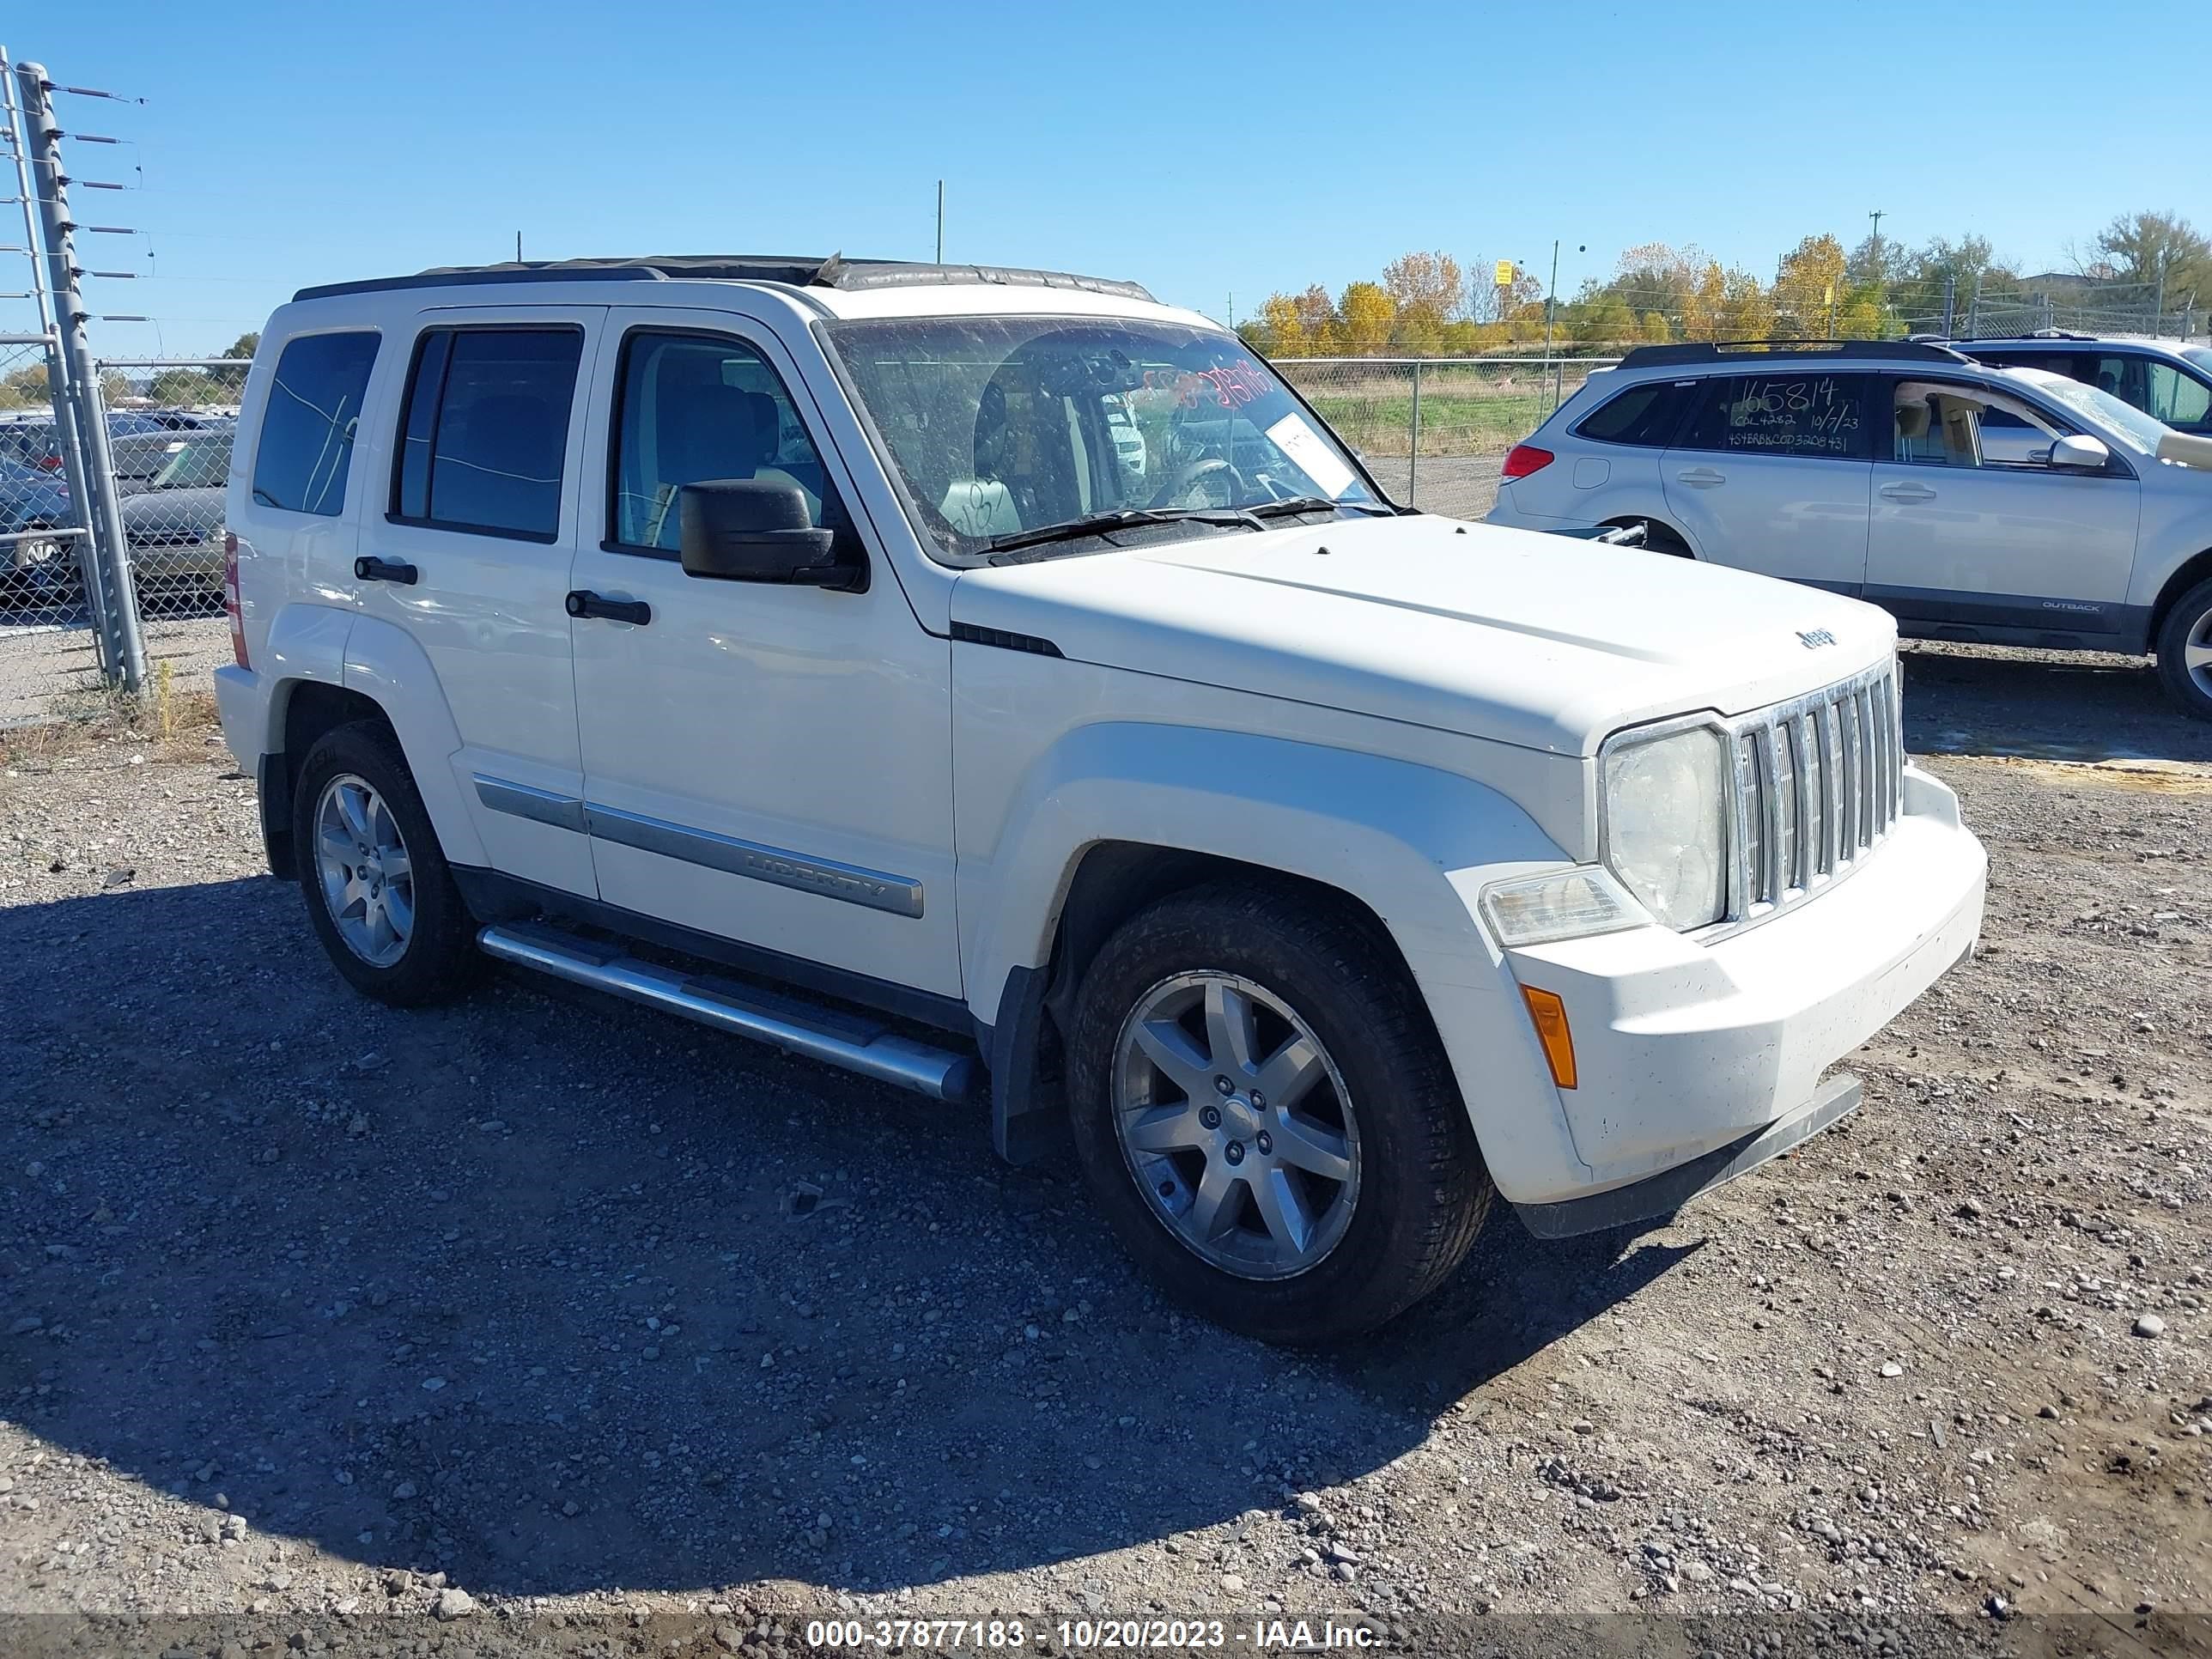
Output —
(1205, 149)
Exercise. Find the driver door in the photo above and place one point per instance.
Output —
(765, 764)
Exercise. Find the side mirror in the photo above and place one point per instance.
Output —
(2080, 454)
(755, 529)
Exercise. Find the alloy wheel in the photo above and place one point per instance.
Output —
(367, 879)
(1237, 1124)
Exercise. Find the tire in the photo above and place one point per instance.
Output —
(1417, 1192)
(2187, 632)
(1657, 538)
(426, 952)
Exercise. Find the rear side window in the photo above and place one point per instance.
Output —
(1816, 415)
(485, 430)
(1648, 415)
(306, 431)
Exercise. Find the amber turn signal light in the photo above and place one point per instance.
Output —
(1549, 1016)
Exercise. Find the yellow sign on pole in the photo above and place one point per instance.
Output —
(1504, 276)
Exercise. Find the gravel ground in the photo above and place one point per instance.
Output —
(541, 1320)
(42, 661)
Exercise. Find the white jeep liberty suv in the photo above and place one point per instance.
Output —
(1002, 685)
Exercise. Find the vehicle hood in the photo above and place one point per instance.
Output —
(1546, 642)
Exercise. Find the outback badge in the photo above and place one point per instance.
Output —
(1813, 638)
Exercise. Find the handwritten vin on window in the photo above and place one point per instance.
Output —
(1802, 417)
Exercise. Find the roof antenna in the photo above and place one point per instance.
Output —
(518, 247)
(831, 269)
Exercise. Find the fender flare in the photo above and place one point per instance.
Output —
(384, 664)
(1412, 843)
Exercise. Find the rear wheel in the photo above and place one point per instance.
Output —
(1658, 538)
(2184, 651)
(379, 891)
(1263, 1112)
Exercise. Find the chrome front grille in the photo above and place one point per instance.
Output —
(1819, 782)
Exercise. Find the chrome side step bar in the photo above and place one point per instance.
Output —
(829, 1035)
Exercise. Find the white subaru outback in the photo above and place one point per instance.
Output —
(801, 648)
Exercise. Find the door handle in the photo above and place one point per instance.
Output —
(384, 570)
(1907, 492)
(582, 603)
(1702, 478)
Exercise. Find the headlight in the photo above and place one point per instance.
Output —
(1666, 834)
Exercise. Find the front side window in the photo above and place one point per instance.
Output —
(485, 431)
(696, 407)
(2177, 398)
(306, 446)
(1801, 415)
(1004, 426)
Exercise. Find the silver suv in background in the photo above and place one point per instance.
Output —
(2170, 383)
(2007, 506)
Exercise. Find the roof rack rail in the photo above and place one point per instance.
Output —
(799, 271)
(1721, 351)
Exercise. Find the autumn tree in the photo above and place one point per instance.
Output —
(1425, 286)
(1809, 284)
(1284, 332)
(1367, 311)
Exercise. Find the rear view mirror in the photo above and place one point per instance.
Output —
(756, 530)
(2080, 455)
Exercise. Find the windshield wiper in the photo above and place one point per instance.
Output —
(1309, 504)
(1097, 524)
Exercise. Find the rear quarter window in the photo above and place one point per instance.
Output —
(1648, 415)
(305, 448)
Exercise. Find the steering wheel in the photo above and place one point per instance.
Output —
(1190, 475)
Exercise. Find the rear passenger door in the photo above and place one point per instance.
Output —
(470, 556)
(1773, 474)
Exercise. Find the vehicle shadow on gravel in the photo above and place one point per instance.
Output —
(554, 1295)
(2046, 706)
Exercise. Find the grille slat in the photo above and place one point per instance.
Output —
(1819, 785)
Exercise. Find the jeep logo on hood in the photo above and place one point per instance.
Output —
(1813, 638)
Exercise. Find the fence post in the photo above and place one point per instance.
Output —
(117, 607)
(1413, 459)
(1950, 303)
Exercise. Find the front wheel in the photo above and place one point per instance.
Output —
(2184, 651)
(379, 891)
(1263, 1111)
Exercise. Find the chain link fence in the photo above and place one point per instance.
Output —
(47, 649)
(1434, 430)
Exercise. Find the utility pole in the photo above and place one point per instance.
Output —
(940, 221)
(118, 607)
(1551, 301)
(518, 247)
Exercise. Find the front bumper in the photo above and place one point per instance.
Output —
(1706, 1056)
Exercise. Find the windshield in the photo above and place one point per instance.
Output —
(194, 465)
(998, 425)
(2127, 422)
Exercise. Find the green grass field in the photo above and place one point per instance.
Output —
(1465, 410)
